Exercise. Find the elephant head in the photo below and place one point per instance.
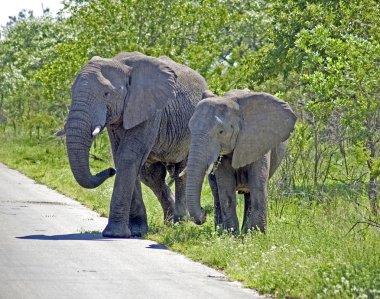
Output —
(123, 91)
(241, 123)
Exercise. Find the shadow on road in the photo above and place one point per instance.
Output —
(84, 237)
(67, 237)
(157, 246)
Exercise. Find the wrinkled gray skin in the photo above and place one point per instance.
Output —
(145, 103)
(249, 131)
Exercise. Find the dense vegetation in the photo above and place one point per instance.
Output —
(323, 57)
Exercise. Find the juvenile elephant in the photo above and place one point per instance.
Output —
(243, 136)
(145, 103)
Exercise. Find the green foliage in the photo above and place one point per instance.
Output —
(24, 50)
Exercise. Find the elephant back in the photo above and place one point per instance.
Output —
(190, 84)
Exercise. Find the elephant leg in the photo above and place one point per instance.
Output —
(218, 219)
(138, 224)
(153, 175)
(226, 183)
(180, 209)
(118, 221)
(247, 213)
(258, 176)
(131, 154)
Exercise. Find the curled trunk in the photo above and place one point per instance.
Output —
(78, 143)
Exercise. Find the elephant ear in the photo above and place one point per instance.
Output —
(152, 85)
(266, 122)
(237, 93)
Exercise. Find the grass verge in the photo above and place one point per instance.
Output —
(309, 250)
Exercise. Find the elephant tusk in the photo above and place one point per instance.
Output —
(210, 168)
(219, 120)
(183, 172)
(96, 130)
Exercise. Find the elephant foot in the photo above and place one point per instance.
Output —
(180, 216)
(251, 226)
(245, 230)
(138, 226)
(116, 230)
(221, 228)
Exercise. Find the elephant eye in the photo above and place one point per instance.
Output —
(106, 94)
(221, 132)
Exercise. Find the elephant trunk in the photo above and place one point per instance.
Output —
(78, 142)
(196, 169)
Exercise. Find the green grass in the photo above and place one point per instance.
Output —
(309, 250)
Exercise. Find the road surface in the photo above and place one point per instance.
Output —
(48, 249)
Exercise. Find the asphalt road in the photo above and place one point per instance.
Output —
(48, 250)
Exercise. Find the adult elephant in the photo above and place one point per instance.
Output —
(248, 132)
(145, 103)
